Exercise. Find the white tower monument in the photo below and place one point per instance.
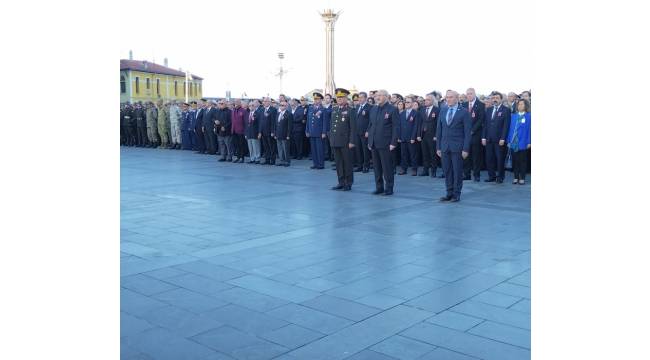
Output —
(329, 17)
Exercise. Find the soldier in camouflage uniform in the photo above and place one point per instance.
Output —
(152, 126)
(175, 123)
(163, 119)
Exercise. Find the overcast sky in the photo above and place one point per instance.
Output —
(401, 46)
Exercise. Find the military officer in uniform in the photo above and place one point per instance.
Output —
(141, 125)
(175, 124)
(316, 131)
(163, 116)
(342, 136)
(152, 126)
(186, 142)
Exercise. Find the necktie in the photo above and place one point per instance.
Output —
(429, 111)
(450, 115)
(359, 110)
(494, 111)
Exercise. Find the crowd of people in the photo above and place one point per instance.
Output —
(460, 133)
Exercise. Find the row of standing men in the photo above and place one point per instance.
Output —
(267, 130)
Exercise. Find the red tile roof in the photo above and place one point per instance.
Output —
(139, 65)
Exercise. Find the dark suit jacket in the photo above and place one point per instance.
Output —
(456, 136)
(343, 126)
(496, 128)
(383, 127)
(477, 113)
(267, 121)
(252, 124)
(429, 123)
(224, 116)
(408, 127)
(198, 121)
(362, 119)
(208, 118)
(284, 125)
(299, 115)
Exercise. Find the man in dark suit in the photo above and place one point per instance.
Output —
(207, 121)
(495, 133)
(251, 131)
(299, 115)
(454, 136)
(362, 120)
(198, 127)
(223, 129)
(427, 135)
(341, 137)
(474, 161)
(382, 140)
(408, 128)
(282, 136)
(267, 131)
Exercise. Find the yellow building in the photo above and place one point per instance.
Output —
(146, 81)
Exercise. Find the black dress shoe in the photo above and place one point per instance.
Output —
(499, 181)
(424, 173)
(401, 172)
(489, 180)
(441, 176)
(365, 171)
(313, 167)
(477, 179)
(357, 169)
(337, 187)
(467, 178)
(378, 191)
(454, 199)
(446, 198)
(221, 160)
(388, 192)
(347, 188)
(320, 167)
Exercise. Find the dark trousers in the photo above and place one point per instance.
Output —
(452, 165)
(384, 168)
(270, 148)
(186, 140)
(239, 145)
(317, 156)
(520, 164)
(429, 156)
(408, 155)
(193, 144)
(297, 144)
(210, 141)
(130, 135)
(495, 158)
(362, 154)
(343, 158)
(200, 139)
(327, 150)
(142, 136)
(122, 135)
(474, 161)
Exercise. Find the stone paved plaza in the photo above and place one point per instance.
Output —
(240, 261)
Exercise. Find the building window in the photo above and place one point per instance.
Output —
(175, 88)
(137, 85)
(158, 87)
(194, 84)
(184, 85)
(148, 85)
(199, 88)
(122, 84)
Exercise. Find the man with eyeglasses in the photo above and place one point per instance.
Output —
(454, 137)
(282, 134)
